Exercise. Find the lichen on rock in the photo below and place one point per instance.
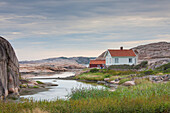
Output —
(9, 70)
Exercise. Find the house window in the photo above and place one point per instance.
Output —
(130, 60)
(116, 60)
(110, 60)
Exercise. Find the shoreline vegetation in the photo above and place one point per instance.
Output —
(145, 96)
(149, 93)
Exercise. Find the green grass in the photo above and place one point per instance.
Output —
(39, 82)
(145, 97)
(124, 80)
(35, 87)
(100, 74)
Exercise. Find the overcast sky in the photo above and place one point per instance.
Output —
(51, 28)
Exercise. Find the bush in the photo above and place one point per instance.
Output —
(143, 64)
(164, 68)
(94, 70)
(107, 76)
(148, 72)
(120, 67)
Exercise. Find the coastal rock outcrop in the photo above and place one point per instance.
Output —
(156, 54)
(9, 70)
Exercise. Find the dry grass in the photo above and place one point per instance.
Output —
(36, 110)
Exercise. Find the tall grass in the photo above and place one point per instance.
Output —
(145, 97)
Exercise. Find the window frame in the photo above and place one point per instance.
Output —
(116, 60)
(110, 61)
(130, 60)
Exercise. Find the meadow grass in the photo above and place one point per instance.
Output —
(145, 97)
(99, 75)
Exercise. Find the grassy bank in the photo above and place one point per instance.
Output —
(100, 74)
(144, 97)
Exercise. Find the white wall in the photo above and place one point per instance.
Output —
(122, 60)
(108, 59)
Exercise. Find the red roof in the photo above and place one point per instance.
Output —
(121, 53)
(97, 61)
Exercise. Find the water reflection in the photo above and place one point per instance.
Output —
(60, 91)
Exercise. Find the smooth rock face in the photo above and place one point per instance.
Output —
(129, 83)
(156, 54)
(9, 70)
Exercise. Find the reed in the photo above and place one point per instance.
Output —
(144, 97)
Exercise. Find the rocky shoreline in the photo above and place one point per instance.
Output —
(131, 80)
(30, 87)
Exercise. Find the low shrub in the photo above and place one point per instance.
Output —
(94, 70)
(164, 68)
(120, 67)
(107, 76)
(148, 72)
(143, 64)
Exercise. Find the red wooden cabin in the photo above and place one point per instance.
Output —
(97, 64)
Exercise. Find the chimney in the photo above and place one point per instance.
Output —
(121, 48)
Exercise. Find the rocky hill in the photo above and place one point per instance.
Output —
(156, 54)
(9, 70)
(79, 60)
(51, 65)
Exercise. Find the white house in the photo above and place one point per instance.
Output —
(120, 57)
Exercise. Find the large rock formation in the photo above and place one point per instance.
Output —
(156, 54)
(9, 69)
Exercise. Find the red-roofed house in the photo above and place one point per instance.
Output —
(120, 57)
(97, 63)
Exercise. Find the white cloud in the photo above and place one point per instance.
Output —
(96, 24)
(131, 44)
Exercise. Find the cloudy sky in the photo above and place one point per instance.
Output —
(50, 28)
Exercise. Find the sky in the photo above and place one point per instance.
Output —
(39, 29)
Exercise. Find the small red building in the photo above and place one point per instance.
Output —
(97, 64)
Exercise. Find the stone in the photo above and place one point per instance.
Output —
(9, 69)
(31, 85)
(106, 79)
(129, 83)
(166, 78)
(101, 82)
(116, 79)
(34, 82)
(23, 85)
(114, 82)
(112, 89)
